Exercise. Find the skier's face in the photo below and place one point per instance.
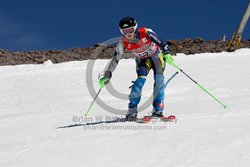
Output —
(130, 35)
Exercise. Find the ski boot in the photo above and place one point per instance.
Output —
(131, 115)
(160, 115)
(157, 114)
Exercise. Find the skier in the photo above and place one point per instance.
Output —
(150, 53)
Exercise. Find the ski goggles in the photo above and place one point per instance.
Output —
(128, 30)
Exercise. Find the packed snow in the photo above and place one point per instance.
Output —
(42, 121)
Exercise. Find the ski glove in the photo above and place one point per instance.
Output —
(104, 80)
(168, 58)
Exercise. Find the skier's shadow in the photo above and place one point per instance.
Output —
(117, 120)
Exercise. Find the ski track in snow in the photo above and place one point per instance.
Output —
(39, 104)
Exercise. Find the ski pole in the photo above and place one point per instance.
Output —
(171, 78)
(171, 62)
(93, 101)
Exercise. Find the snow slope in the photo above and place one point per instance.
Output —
(42, 123)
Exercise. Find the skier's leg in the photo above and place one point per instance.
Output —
(143, 67)
(158, 102)
(158, 66)
(135, 94)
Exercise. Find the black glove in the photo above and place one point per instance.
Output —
(104, 79)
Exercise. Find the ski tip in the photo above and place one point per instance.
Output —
(147, 119)
(170, 118)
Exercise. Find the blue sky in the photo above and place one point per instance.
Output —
(64, 24)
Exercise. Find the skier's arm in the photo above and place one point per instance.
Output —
(154, 38)
(167, 54)
(116, 58)
(112, 65)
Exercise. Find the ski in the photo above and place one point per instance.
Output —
(147, 119)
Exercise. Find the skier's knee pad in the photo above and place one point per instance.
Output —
(159, 81)
(158, 77)
(137, 88)
(138, 84)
